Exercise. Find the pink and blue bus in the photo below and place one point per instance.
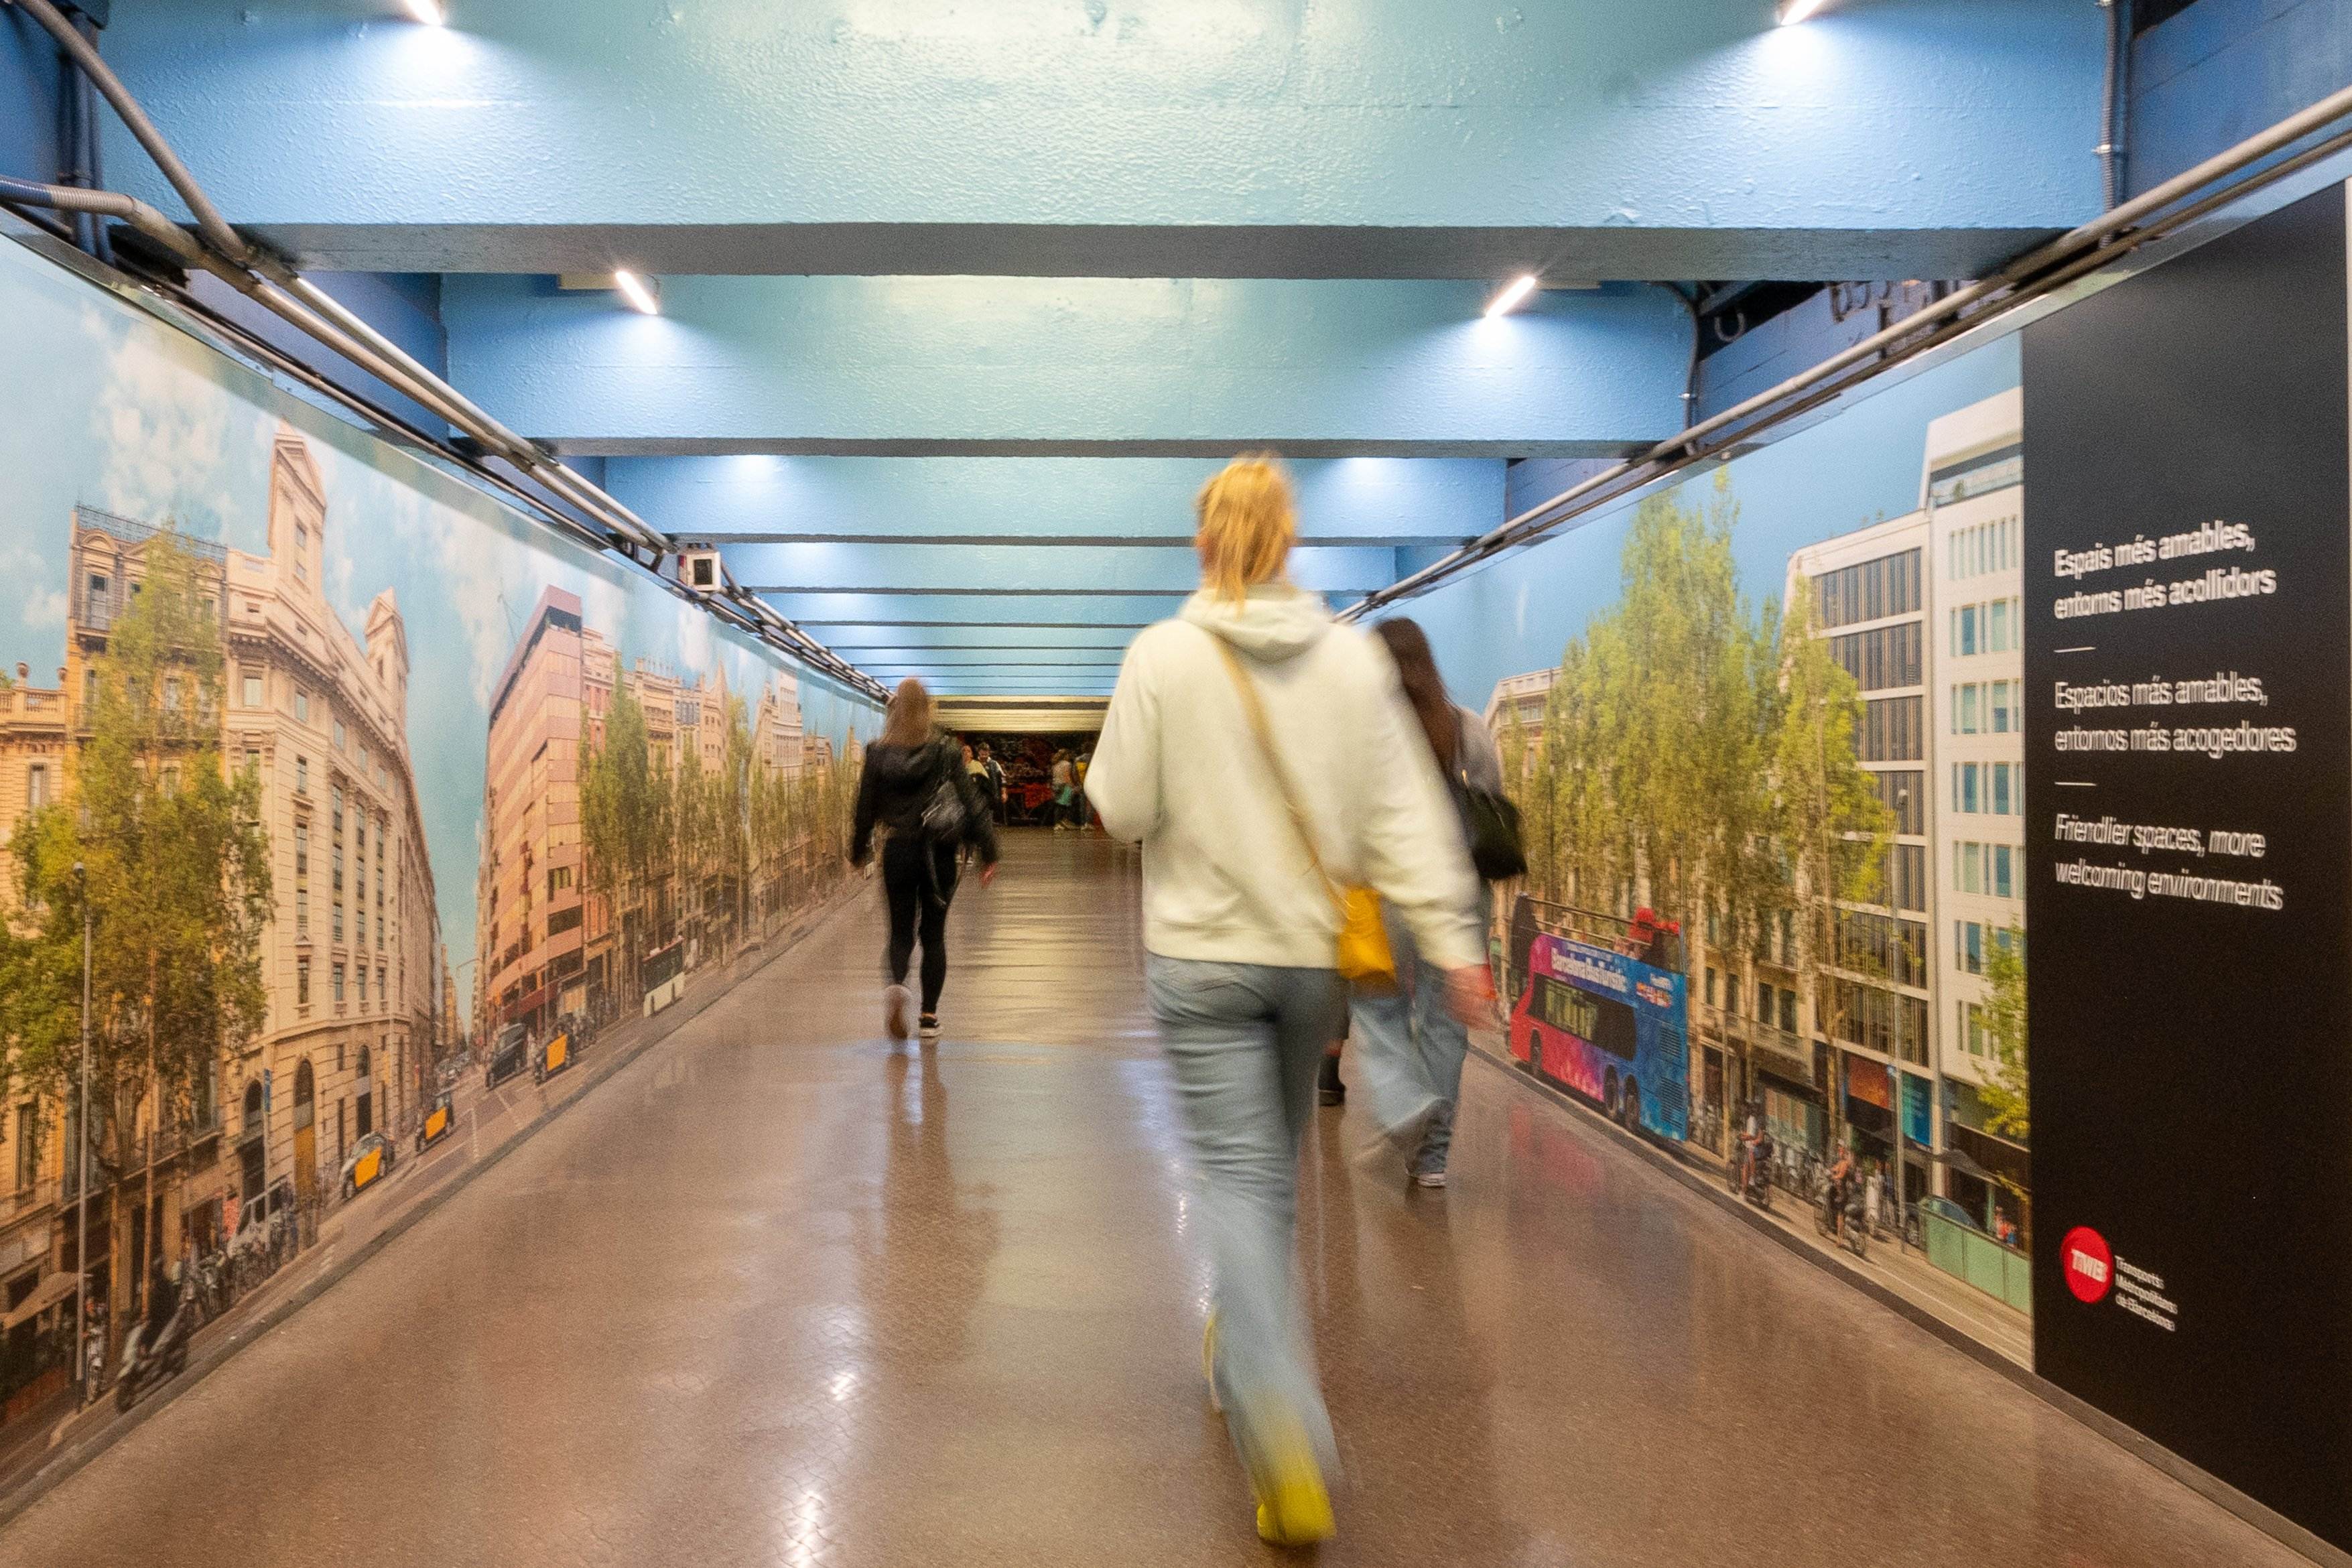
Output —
(1607, 1026)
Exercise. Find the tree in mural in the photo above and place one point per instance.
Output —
(2004, 1093)
(618, 823)
(1696, 755)
(1831, 824)
(175, 868)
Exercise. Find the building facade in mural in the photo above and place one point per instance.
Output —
(321, 715)
(308, 720)
(629, 810)
(1844, 1009)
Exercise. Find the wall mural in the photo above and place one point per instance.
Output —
(1773, 800)
(387, 810)
(1855, 703)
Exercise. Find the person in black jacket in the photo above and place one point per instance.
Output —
(916, 790)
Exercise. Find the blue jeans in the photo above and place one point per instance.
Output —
(1409, 1051)
(1244, 1041)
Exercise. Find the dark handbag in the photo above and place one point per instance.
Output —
(1491, 822)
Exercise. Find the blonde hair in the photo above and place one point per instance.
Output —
(1247, 524)
(908, 721)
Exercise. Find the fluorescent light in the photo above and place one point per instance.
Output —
(1513, 294)
(638, 292)
(429, 12)
(1796, 11)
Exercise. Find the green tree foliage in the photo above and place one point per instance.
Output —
(1697, 755)
(176, 867)
(666, 837)
(2004, 1093)
(1831, 824)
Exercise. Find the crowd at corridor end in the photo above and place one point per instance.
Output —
(1265, 758)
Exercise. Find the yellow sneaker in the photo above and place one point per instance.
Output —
(1209, 1363)
(1298, 1512)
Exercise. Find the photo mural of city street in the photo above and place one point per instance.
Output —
(390, 821)
(1773, 796)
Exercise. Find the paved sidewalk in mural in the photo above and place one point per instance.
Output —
(487, 1122)
(1904, 1270)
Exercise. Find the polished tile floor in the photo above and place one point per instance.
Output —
(781, 1294)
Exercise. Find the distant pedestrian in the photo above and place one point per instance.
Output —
(1063, 781)
(993, 772)
(916, 790)
(1236, 750)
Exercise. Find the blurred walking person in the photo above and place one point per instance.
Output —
(1262, 755)
(916, 790)
(1410, 1046)
(1064, 779)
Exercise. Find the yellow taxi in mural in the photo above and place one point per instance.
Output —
(560, 1049)
(440, 1120)
(369, 1163)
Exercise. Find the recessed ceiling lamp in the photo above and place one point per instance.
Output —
(1514, 295)
(1796, 11)
(638, 292)
(432, 13)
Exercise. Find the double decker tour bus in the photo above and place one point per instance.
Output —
(664, 976)
(1601, 1021)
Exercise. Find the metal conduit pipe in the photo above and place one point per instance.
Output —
(209, 222)
(2031, 275)
(470, 417)
(414, 381)
(287, 294)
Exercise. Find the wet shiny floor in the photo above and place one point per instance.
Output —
(782, 1294)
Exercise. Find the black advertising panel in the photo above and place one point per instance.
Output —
(2188, 837)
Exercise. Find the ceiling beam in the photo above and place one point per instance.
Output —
(1100, 367)
(1093, 503)
(1252, 138)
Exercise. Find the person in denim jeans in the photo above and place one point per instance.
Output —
(1242, 928)
(1409, 1046)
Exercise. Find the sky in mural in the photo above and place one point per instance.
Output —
(1517, 613)
(109, 408)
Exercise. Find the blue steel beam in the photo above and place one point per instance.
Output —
(1025, 569)
(910, 366)
(1386, 501)
(1236, 138)
(821, 612)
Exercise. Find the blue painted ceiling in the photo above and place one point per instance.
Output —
(961, 302)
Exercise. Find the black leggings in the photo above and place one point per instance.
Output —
(919, 878)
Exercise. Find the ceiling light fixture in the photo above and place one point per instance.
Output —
(638, 292)
(1796, 11)
(1513, 294)
(429, 12)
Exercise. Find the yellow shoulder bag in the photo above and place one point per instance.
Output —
(1363, 957)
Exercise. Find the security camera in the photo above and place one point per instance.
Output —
(701, 570)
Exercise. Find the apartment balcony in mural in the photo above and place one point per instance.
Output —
(1771, 1047)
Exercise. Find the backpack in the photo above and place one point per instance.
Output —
(947, 813)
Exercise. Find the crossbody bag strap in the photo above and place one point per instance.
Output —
(1255, 711)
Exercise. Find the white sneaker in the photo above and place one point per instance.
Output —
(899, 1012)
(930, 1028)
(1429, 1178)
(1399, 1144)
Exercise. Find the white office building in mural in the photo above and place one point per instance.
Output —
(1972, 497)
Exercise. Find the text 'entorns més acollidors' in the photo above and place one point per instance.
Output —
(2215, 583)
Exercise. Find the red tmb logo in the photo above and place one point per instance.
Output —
(2087, 1263)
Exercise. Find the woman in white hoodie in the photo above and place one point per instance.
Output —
(1241, 927)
